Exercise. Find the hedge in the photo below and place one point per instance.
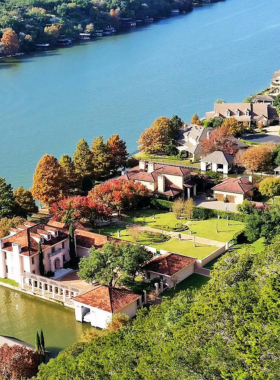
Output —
(161, 204)
(206, 213)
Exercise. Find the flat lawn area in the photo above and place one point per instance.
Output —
(166, 159)
(195, 281)
(259, 245)
(162, 219)
(8, 281)
(207, 229)
(185, 247)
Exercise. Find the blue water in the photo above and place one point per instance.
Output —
(121, 84)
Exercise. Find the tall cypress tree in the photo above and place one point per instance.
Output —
(43, 343)
(41, 260)
(37, 343)
(72, 248)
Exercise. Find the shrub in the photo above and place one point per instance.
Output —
(160, 204)
(49, 273)
(205, 213)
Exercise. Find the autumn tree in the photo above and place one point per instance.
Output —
(7, 223)
(195, 120)
(178, 208)
(7, 201)
(10, 41)
(135, 232)
(52, 32)
(83, 160)
(258, 158)
(18, 362)
(270, 186)
(69, 171)
(117, 152)
(189, 208)
(100, 158)
(220, 139)
(157, 137)
(234, 127)
(48, 181)
(25, 202)
(118, 321)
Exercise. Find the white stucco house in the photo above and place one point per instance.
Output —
(98, 305)
(218, 162)
(234, 190)
(169, 268)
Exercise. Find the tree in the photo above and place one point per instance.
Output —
(118, 321)
(117, 152)
(171, 150)
(133, 256)
(217, 122)
(10, 42)
(270, 186)
(219, 101)
(135, 232)
(195, 120)
(157, 137)
(70, 175)
(7, 200)
(6, 224)
(41, 260)
(258, 158)
(220, 139)
(48, 181)
(72, 247)
(178, 207)
(189, 208)
(234, 127)
(176, 124)
(82, 159)
(25, 202)
(100, 158)
(246, 207)
(18, 362)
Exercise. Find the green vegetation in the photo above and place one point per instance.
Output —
(168, 160)
(228, 329)
(195, 281)
(8, 281)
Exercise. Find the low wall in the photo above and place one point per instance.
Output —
(212, 256)
(151, 249)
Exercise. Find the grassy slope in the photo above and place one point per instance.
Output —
(194, 281)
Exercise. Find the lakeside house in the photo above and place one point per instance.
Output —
(19, 252)
(267, 99)
(98, 305)
(166, 180)
(217, 161)
(170, 268)
(252, 113)
(275, 82)
(234, 190)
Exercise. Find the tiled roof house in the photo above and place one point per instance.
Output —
(234, 190)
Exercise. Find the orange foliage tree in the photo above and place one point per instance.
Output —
(234, 127)
(258, 158)
(117, 152)
(195, 120)
(10, 41)
(6, 224)
(48, 181)
(220, 139)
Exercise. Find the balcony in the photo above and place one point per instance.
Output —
(56, 252)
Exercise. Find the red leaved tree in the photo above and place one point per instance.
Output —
(220, 139)
(18, 362)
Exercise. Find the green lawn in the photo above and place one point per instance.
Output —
(166, 159)
(195, 281)
(207, 229)
(163, 220)
(200, 251)
(9, 282)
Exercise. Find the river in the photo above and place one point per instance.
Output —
(22, 316)
(120, 84)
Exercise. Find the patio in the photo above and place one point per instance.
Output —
(215, 205)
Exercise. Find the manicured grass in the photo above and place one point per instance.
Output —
(146, 238)
(9, 282)
(195, 281)
(185, 247)
(163, 220)
(166, 159)
(259, 245)
(207, 229)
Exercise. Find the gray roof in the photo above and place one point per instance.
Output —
(196, 132)
(218, 157)
(264, 97)
(277, 169)
(276, 74)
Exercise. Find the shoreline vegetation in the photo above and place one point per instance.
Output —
(27, 26)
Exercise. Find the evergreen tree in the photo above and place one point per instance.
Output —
(117, 153)
(83, 160)
(48, 181)
(100, 157)
(72, 248)
(25, 202)
(41, 260)
(42, 341)
(7, 200)
(37, 343)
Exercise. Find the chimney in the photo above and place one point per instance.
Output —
(142, 165)
(161, 183)
(151, 167)
(251, 178)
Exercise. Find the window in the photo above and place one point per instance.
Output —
(64, 258)
(32, 260)
(33, 271)
(7, 269)
(53, 249)
(62, 245)
(247, 112)
(228, 113)
(161, 278)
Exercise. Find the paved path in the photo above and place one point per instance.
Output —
(261, 138)
(174, 234)
(202, 271)
(215, 205)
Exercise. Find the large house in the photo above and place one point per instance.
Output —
(257, 113)
(234, 190)
(275, 83)
(190, 141)
(19, 252)
(218, 162)
(98, 305)
(163, 179)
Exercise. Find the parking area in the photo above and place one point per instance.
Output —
(215, 205)
(261, 138)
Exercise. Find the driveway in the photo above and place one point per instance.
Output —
(215, 205)
(262, 138)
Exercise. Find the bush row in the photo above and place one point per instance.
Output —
(202, 213)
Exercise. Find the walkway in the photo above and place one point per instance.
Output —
(200, 240)
(72, 279)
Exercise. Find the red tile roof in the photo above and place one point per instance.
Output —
(107, 298)
(168, 264)
(53, 223)
(239, 185)
(88, 239)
